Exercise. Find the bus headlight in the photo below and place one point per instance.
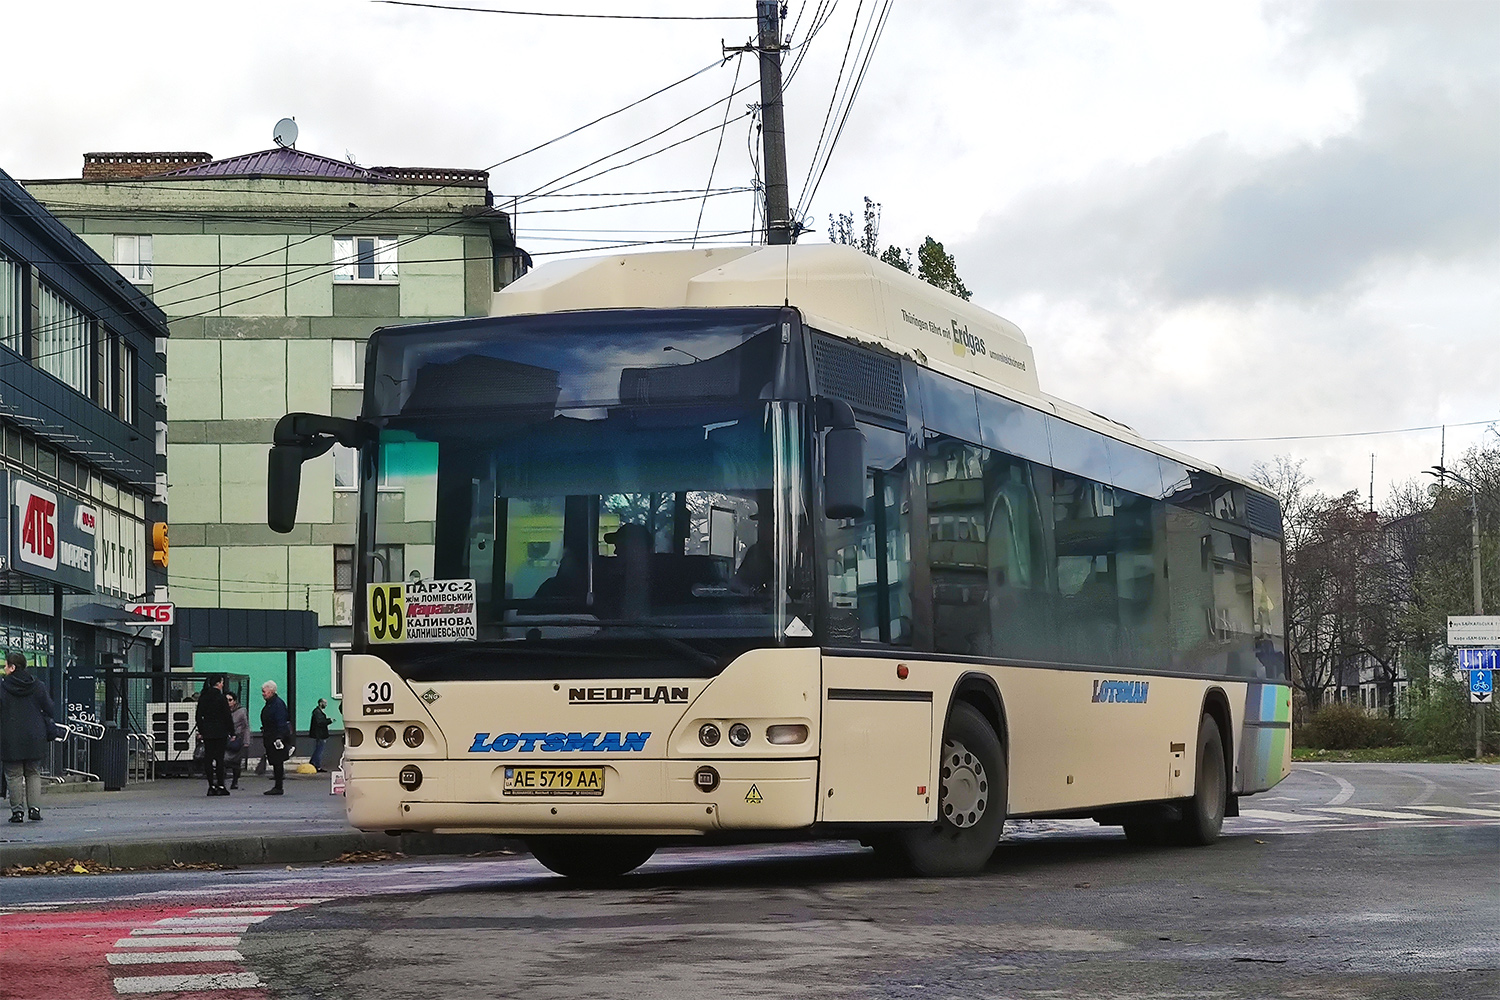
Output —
(783, 736)
(708, 734)
(412, 736)
(739, 734)
(385, 736)
(354, 736)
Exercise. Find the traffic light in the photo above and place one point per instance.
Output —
(159, 544)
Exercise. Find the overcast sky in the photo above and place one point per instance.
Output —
(1212, 220)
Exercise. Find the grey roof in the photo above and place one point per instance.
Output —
(285, 162)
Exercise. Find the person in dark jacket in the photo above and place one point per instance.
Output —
(276, 734)
(26, 723)
(239, 740)
(318, 730)
(215, 724)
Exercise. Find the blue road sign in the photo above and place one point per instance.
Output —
(1481, 685)
(1479, 659)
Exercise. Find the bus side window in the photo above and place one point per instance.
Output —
(869, 559)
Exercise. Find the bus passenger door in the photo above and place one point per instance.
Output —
(876, 754)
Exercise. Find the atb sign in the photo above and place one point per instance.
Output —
(1474, 630)
(160, 613)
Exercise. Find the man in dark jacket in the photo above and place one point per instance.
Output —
(276, 734)
(26, 721)
(215, 724)
(318, 730)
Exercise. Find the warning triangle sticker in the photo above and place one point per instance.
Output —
(753, 796)
(798, 630)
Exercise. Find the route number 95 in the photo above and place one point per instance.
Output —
(387, 609)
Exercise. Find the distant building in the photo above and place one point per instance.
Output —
(273, 268)
(82, 449)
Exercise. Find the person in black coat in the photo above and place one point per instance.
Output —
(318, 730)
(276, 734)
(26, 725)
(215, 725)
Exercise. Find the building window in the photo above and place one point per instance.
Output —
(389, 565)
(12, 303)
(125, 397)
(348, 364)
(133, 258)
(364, 258)
(64, 341)
(345, 468)
(343, 567)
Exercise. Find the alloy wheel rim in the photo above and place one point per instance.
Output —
(964, 792)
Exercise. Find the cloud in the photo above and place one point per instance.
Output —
(1416, 176)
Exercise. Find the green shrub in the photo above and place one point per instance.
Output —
(1343, 726)
(1443, 721)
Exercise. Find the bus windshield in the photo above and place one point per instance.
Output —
(617, 478)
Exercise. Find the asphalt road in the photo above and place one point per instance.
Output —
(1347, 880)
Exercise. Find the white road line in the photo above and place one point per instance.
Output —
(1346, 790)
(171, 957)
(1376, 813)
(178, 984)
(1429, 787)
(1459, 811)
(173, 941)
(244, 908)
(207, 922)
(1282, 817)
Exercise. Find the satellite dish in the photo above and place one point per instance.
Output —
(285, 133)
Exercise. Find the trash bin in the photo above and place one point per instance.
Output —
(112, 758)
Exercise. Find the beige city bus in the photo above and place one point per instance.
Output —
(759, 543)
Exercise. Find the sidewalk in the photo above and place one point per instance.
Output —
(171, 819)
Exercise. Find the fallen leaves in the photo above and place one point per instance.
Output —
(365, 857)
(73, 866)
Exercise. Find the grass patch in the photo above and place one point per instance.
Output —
(1382, 755)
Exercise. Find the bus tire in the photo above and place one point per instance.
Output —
(1203, 814)
(972, 781)
(591, 859)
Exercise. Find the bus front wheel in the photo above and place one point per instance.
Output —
(971, 800)
(591, 858)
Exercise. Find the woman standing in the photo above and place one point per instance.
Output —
(26, 725)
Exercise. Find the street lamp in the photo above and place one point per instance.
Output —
(1443, 474)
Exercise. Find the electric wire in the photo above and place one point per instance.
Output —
(555, 13)
(1314, 437)
(723, 128)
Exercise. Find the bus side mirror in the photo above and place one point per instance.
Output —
(299, 437)
(283, 484)
(844, 473)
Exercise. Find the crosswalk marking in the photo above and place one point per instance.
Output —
(1374, 813)
(1280, 816)
(171, 957)
(1459, 811)
(243, 908)
(179, 984)
(172, 941)
(207, 922)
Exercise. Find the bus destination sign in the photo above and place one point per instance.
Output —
(421, 611)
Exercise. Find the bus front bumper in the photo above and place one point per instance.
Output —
(644, 797)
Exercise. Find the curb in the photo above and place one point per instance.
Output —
(237, 851)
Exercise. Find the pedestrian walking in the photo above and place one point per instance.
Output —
(215, 725)
(239, 739)
(26, 727)
(318, 730)
(276, 734)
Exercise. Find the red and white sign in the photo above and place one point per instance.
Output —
(85, 520)
(162, 614)
(37, 532)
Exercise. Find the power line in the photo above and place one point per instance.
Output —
(1313, 437)
(557, 13)
(723, 128)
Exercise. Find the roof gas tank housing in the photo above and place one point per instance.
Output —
(837, 289)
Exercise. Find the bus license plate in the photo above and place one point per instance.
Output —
(554, 781)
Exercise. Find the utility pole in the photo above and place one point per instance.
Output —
(1475, 559)
(779, 230)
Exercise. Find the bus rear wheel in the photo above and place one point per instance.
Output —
(972, 781)
(591, 858)
(1203, 814)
